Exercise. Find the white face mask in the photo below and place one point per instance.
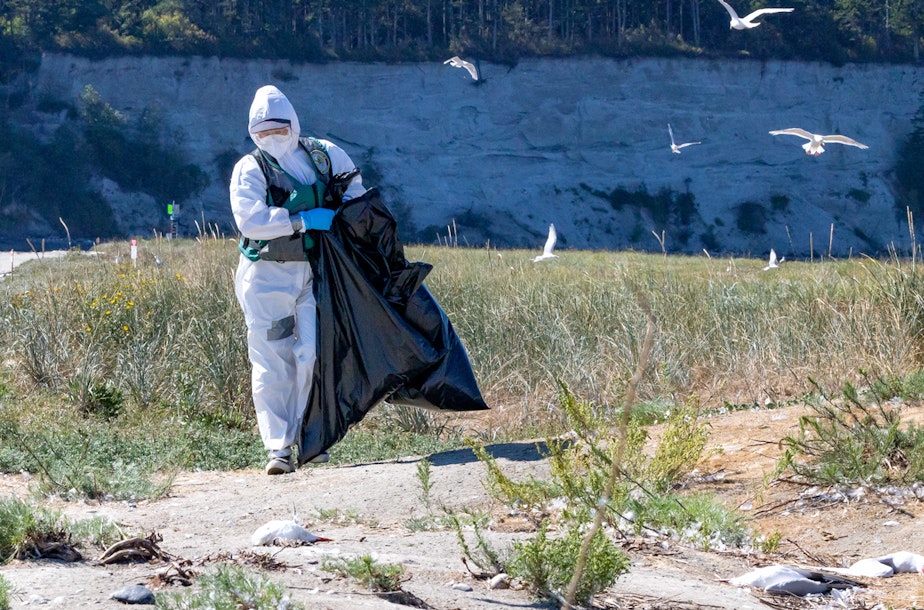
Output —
(276, 146)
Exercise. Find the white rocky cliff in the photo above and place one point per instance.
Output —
(547, 140)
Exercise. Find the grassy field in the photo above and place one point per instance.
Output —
(145, 365)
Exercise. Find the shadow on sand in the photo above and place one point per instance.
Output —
(526, 451)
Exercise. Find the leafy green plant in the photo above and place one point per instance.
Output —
(27, 530)
(751, 217)
(770, 544)
(855, 438)
(484, 555)
(423, 475)
(156, 169)
(365, 569)
(698, 519)
(547, 564)
(229, 588)
(6, 592)
(642, 495)
(679, 448)
(532, 493)
(423, 524)
(23, 526)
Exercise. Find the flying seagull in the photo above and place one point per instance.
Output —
(675, 148)
(458, 62)
(815, 144)
(746, 23)
(773, 263)
(549, 245)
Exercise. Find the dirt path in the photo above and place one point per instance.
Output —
(210, 516)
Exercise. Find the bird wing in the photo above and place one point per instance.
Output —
(794, 131)
(903, 561)
(457, 62)
(685, 144)
(833, 581)
(730, 10)
(843, 140)
(471, 69)
(772, 256)
(797, 586)
(766, 11)
(550, 241)
(869, 567)
(671, 132)
(766, 576)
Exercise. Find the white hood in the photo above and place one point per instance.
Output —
(270, 103)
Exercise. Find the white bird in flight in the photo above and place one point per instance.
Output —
(747, 22)
(549, 245)
(816, 142)
(458, 62)
(773, 263)
(675, 148)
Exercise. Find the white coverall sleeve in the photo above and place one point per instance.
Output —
(255, 219)
(341, 162)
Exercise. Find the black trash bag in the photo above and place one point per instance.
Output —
(381, 334)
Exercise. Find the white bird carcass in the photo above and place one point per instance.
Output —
(903, 562)
(789, 580)
(281, 530)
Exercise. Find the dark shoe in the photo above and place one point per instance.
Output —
(280, 465)
(321, 458)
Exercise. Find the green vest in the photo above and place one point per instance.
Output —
(283, 190)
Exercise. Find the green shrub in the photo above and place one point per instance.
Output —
(156, 168)
(484, 555)
(229, 588)
(365, 569)
(547, 564)
(665, 208)
(855, 438)
(6, 592)
(30, 531)
(751, 217)
(779, 203)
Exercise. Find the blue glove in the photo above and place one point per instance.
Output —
(318, 219)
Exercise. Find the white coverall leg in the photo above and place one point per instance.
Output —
(280, 312)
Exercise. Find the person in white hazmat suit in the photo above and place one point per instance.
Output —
(276, 194)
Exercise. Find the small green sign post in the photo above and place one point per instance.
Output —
(172, 223)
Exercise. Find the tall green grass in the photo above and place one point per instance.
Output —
(107, 363)
(726, 330)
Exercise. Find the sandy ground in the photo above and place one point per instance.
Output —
(209, 517)
(11, 259)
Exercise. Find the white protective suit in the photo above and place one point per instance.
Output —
(276, 297)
